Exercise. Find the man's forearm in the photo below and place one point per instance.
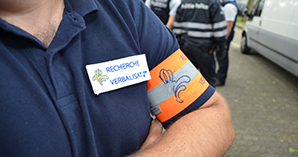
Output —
(229, 28)
(207, 131)
(171, 21)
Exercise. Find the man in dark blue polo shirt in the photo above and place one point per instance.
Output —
(75, 81)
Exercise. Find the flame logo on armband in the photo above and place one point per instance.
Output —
(178, 85)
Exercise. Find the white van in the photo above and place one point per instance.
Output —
(273, 32)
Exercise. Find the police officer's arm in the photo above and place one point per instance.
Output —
(171, 21)
(207, 131)
(230, 13)
(229, 28)
(174, 4)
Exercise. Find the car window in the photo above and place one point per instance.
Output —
(257, 8)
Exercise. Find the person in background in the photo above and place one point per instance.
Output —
(231, 12)
(165, 10)
(201, 28)
(81, 79)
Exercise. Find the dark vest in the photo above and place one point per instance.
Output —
(161, 9)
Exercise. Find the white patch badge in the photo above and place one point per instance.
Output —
(111, 75)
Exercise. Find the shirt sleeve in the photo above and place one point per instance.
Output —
(174, 4)
(165, 60)
(155, 39)
(148, 3)
(176, 88)
(230, 12)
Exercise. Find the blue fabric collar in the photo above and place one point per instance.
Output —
(81, 7)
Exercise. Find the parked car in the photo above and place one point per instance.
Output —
(272, 30)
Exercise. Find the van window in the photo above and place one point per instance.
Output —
(257, 9)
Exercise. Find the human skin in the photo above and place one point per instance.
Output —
(171, 21)
(229, 27)
(207, 131)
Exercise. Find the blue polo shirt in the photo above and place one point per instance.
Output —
(47, 106)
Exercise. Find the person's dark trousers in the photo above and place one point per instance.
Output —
(224, 63)
(202, 60)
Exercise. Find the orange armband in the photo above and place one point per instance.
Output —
(175, 84)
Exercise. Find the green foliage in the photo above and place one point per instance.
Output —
(292, 150)
(241, 20)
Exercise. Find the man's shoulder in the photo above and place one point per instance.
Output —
(230, 6)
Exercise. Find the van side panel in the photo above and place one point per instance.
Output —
(276, 16)
(276, 49)
(293, 29)
(276, 37)
(291, 45)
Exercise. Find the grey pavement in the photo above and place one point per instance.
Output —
(263, 99)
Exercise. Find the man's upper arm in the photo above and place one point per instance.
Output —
(176, 88)
(230, 12)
